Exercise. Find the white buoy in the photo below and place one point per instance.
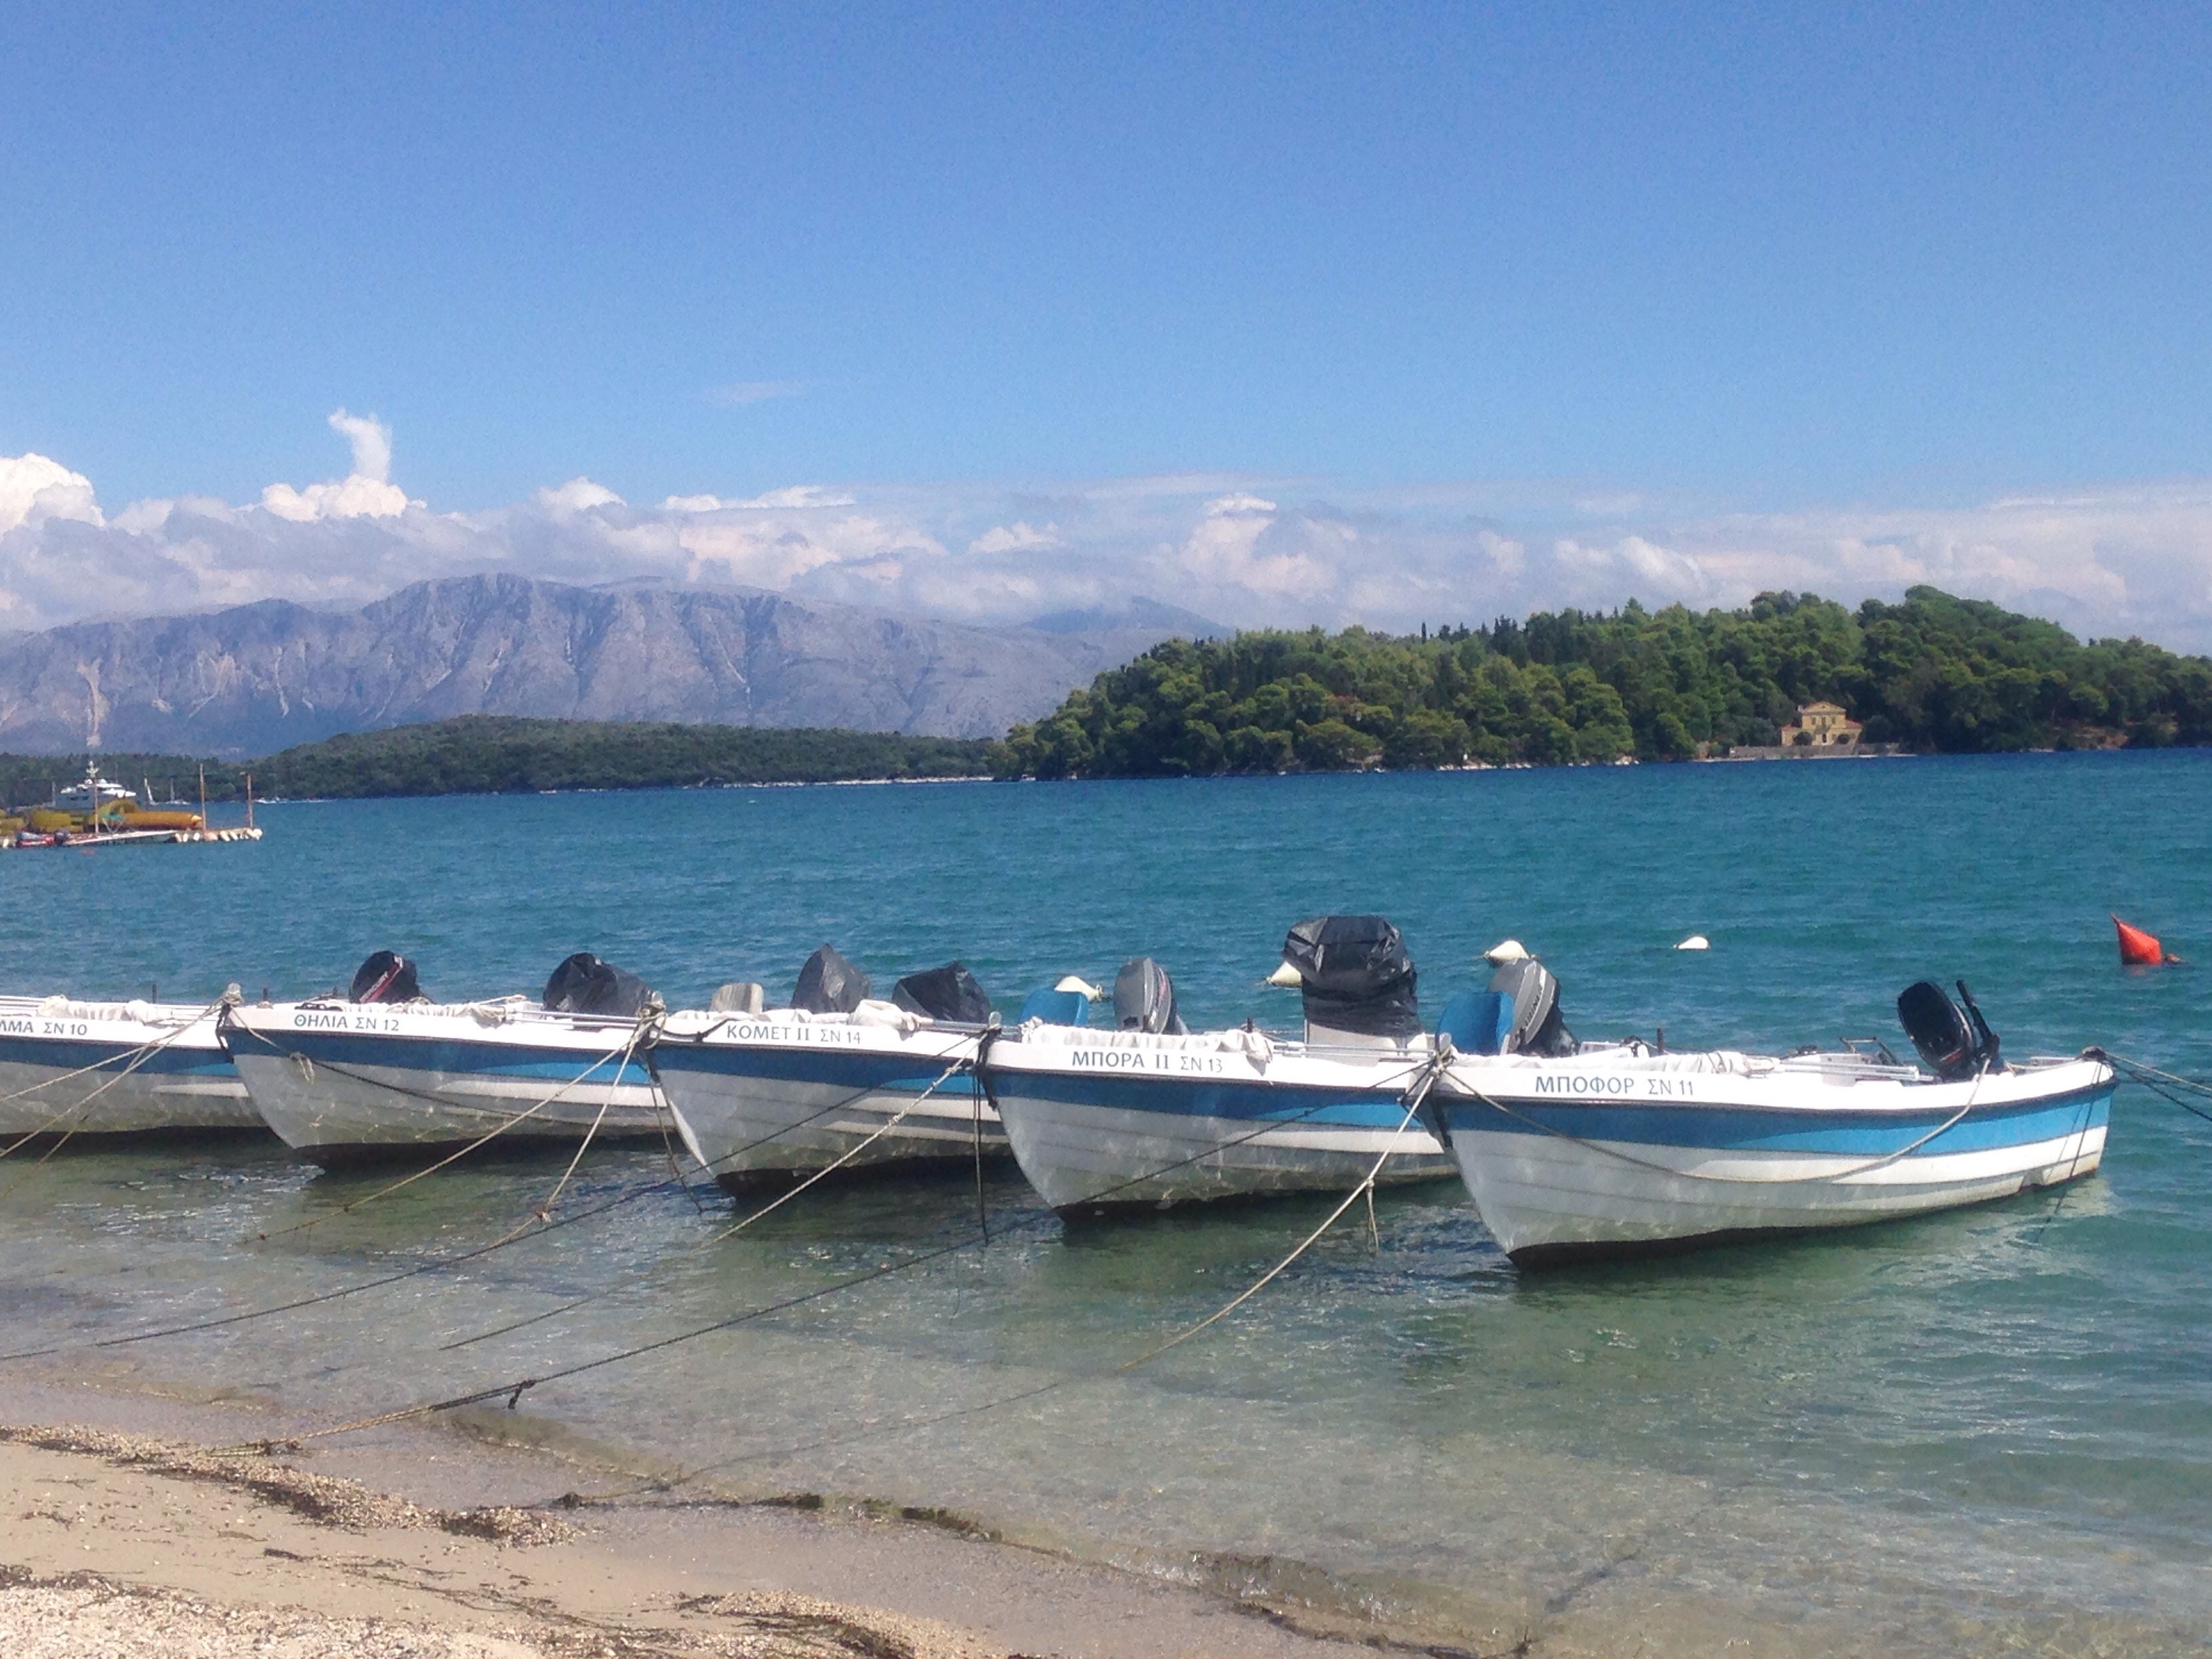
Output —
(1286, 976)
(1506, 949)
(1082, 988)
(1695, 942)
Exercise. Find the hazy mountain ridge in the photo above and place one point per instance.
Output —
(260, 677)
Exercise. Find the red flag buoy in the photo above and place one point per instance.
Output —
(2137, 948)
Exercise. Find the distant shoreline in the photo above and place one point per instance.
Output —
(503, 755)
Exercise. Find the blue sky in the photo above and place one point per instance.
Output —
(1716, 261)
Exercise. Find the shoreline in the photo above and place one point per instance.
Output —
(150, 1518)
(142, 1522)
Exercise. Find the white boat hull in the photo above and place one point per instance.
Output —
(1559, 1177)
(765, 1101)
(153, 1069)
(392, 1081)
(1110, 1121)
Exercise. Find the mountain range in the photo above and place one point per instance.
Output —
(255, 678)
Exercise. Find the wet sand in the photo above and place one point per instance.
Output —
(131, 1524)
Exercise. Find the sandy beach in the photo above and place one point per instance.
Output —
(137, 1522)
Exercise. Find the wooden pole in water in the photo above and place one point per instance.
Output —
(249, 800)
(204, 824)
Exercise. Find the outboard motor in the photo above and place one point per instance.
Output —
(739, 996)
(585, 985)
(948, 993)
(829, 984)
(1529, 1012)
(1144, 999)
(1955, 1045)
(1357, 982)
(387, 976)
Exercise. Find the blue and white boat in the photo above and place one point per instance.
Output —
(845, 1082)
(343, 1081)
(106, 1068)
(1148, 1116)
(1619, 1150)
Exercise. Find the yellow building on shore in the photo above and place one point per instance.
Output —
(1822, 725)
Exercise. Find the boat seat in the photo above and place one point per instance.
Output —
(1055, 1007)
(1476, 1021)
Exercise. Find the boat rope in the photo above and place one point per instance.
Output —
(2160, 1083)
(631, 1281)
(984, 1090)
(544, 1212)
(664, 1114)
(620, 1056)
(620, 1201)
(2080, 1140)
(310, 1066)
(1267, 1126)
(437, 1264)
(511, 1391)
(1411, 1100)
(1469, 1092)
(132, 1059)
(981, 1234)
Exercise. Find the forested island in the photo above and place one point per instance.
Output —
(1932, 673)
(498, 754)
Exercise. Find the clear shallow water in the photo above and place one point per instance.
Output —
(1964, 1433)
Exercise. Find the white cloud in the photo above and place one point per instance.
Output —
(33, 489)
(794, 495)
(1632, 565)
(1019, 537)
(1238, 505)
(739, 394)
(1243, 550)
(367, 492)
(579, 495)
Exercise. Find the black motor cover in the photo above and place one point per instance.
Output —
(1537, 1027)
(1144, 999)
(387, 976)
(947, 993)
(829, 984)
(585, 985)
(1954, 1046)
(1355, 976)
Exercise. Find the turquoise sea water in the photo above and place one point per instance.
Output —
(1971, 1433)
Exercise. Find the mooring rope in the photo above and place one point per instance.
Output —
(457, 1259)
(620, 1056)
(521, 1234)
(631, 1281)
(2151, 1078)
(982, 1234)
(1414, 1097)
(513, 1390)
(1411, 1099)
(136, 1058)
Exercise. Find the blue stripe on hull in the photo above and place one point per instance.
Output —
(1838, 1131)
(1379, 1107)
(63, 1056)
(840, 1068)
(448, 1056)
